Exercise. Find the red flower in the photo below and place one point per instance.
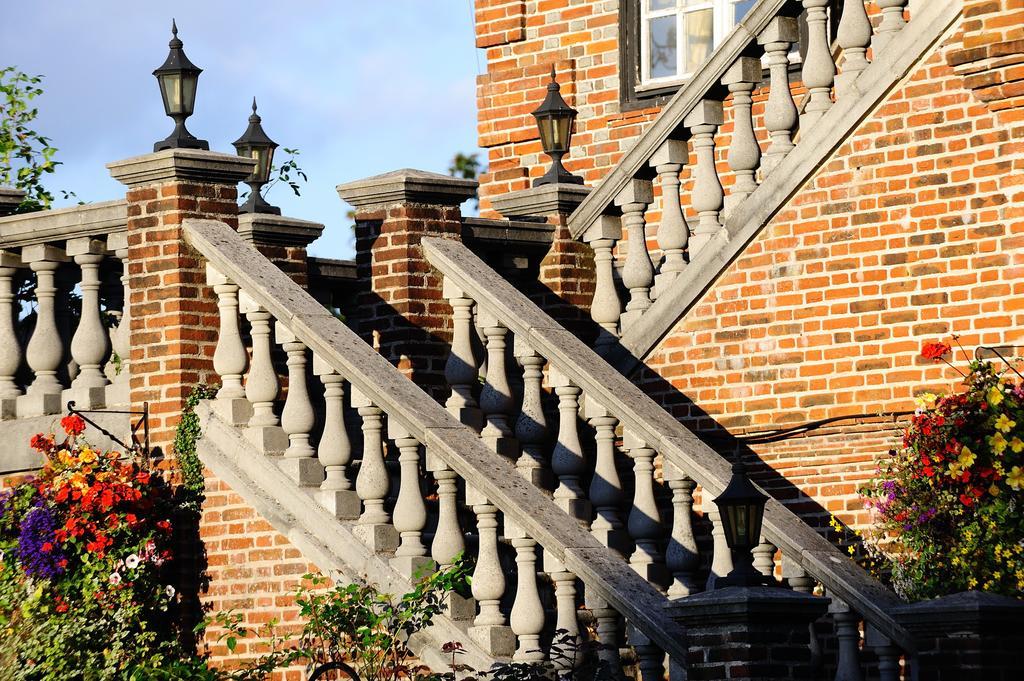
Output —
(73, 424)
(41, 443)
(46, 547)
(934, 351)
(966, 500)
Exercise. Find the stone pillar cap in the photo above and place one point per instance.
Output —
(267, 228)
(738, 604)
(10, 198)
(408, 186)
(975, 611)
(182, 164)
(542, 201)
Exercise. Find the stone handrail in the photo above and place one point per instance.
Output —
(645, 419)
(457, 446)
(61, 224)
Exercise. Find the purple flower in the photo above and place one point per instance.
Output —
(36, 532)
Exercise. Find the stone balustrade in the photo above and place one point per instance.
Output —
(648, 520)
(463, 482)
(63, 334)
(688, 128)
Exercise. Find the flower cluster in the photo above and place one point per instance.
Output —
(949, 504)
(86, 546)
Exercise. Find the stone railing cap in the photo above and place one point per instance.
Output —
(730, 603)
(970, 609)
(278, 229)
(181, 164)
(407, 186)
(547, 199)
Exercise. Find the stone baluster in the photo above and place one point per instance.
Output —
(489, 628)
(707, 195)
(374, 526)
(801, 582)
(461, 368)
(90, 346)
(673, 232)
(819, 69)
(45, 348)
(565, 614)
(650, 658)
(681, 556)
(496, 396)
(780, 113)
(847, 624)
(721, 558)
(297, 416)
(527, 616)
(644, 521)
(853, 36)
(230, 360)
(638, 272)
(121, 338)
(334, 451)
(410, 514)
(892, 23)
(605, 486)
(531, 426)
(744, 151)
(606, 307)
(261, 385)
(567, 462)
(608, 628)
(10, 349)
(448, 539)
(888, 654)
(764, 558)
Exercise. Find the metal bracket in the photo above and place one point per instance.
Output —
(143, 423)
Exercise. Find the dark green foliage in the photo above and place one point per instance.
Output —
(185, 437)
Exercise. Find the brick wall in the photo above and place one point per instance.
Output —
(913, 230)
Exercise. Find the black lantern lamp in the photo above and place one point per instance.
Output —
(255, 144)
(178, 78)
(741, 508)
(554, 121)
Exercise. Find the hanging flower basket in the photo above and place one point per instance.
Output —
(948, 504)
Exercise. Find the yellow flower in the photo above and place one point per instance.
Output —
(87, 456)
(967, 457)
(998, 443)
(1016, 445)
(971, 583)
(995, 396)
(1004, 423)
(994, 490)
(1016, 478)
(925, 400)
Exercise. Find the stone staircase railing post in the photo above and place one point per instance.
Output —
(90, 345)
(780, 112)
(297, 417)
(854, 37)
(681, 556)
(334, 451)
(744, 151)
(819, 69)
(374, 527)
(567, 459)
(673, 232)
(45, 348)
(644, 520)
(531, 424)
(638, 272)
(410, 514)
(606, 307)
(10, 348)
(605, 491)
(707, 195)
(892, 23)
(119, 391)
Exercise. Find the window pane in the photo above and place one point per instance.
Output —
(655, 5)
(742, 7)
(700, 36)
(663, 46)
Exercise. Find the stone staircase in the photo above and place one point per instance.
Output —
(798, 138)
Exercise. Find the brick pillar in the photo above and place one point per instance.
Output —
(567, 278)
(400, 304)
(282, 240)
(740, 633)
(970, 636)
(173, 312)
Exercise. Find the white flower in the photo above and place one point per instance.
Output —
(115, 578)
(169, 591)
(150, 546)
(132, 562)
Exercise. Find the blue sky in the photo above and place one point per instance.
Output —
(358, 87)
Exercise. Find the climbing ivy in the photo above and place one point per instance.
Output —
(185, 436)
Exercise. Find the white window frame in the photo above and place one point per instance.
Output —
(723, 21)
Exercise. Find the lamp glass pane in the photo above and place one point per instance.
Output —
(546, 127)
(562, 131)
(188, 92)
(263, 156)
(170, 88)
